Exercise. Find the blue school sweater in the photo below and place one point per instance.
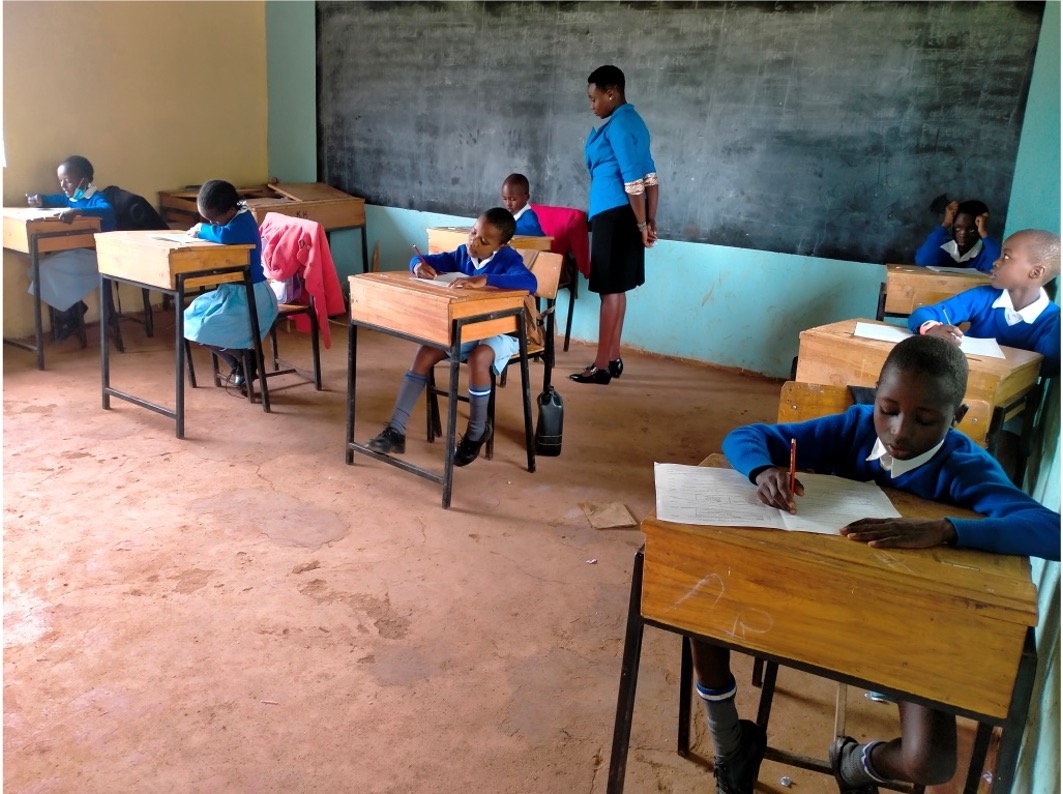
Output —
(528, 224)
(241, 230)
(504, 270)
(975, 306)
(94, 203)
(931, 252)
(961, 474)
(617, 152)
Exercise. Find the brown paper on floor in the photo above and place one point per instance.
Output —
(608, 515)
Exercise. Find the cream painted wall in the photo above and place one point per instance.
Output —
(156, 95)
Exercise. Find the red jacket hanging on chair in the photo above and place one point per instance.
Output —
(295, 253)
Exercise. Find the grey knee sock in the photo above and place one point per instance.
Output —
(409, 391)
(722, 715)
(479, 396)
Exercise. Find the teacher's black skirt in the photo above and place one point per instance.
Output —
(618, 258)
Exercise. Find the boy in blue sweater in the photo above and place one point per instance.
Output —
(486, 261)
(1014, 309)
(962, 239)
(68, 276)
(905, 441)
(515, 194)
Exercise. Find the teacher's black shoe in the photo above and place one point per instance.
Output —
(592, 375)
(469, 450)
(616, 367)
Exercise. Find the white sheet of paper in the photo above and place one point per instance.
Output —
(963, 271)
(885, 333)
(177, 237)
(973, 346)
(443, 280)
(709, 496)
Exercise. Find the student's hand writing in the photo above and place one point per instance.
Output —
(34, 200)
(901, 533)
(194, 231)
(773, 489)
(424, 271)
(67, 216)
(948, 332)
(950, 213)
(469, 282)
(982, 224)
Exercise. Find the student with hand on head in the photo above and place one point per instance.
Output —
(906, 441)
(515, 195)
(962, 239)
(68, 276)
(485, 261)
(1014, 308)
(219, 319)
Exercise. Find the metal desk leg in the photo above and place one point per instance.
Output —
(978, 754)
(452, 418)
(352, 360)
(38, 331)
(529, 440)
(179, 363)
(686, 684)
(629, 674)
(365, 249)
(105, 358)
(1011, 737)
(256, 343)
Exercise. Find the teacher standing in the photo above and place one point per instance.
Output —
(623, 211)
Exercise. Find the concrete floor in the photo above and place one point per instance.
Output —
(241, 612)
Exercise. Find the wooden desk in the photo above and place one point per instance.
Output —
(398, 304)
(332, 208)
(788, 597)
(442, 239)
(34, 232)
(830, 354)
(142, 259)
(908, 287)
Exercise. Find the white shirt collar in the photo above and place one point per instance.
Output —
(898, 467)
(480, 264)
(525, 208)
(953, 250)
(90, 191)
(1027, 314)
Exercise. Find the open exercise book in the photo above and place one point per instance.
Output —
(971, 345)
(725, 498)
(443, 279)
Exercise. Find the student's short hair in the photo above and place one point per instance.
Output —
(935, 357)
(1044, 250)
(217, 195)
(518, 180)
(502, 219)
(79, 165)
(974, 208)
(607, 77)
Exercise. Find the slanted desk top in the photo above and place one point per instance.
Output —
(144, 257)
(831, 354)
(442, 239)
(21, 223)
(398, 301)
(945, 624)
(909, 286)
(330, 207)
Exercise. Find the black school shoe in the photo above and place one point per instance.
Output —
(390, 440)
(592, 375)
(469, 450)
(838, 749)
(616, 367)
(738, 773)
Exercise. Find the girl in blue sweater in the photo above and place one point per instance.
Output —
(218, 319)
(1014, 310)
(905, 441)
(486, 261)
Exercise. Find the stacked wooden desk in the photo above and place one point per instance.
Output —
(332, 208)
(831, 354)
(419, 311)
(443, 239)
(907, 287)
(949, 628)
(146, 259)
(34, 232)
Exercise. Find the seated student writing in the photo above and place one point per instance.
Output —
(68, 276)
(219, 319)
(515, 194)
(1014, 308)
(905, 441)
(962, 239)
(486, 261)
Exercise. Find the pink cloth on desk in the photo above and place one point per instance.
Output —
(568, 227)
(295, 245)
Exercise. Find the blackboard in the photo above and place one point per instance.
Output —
(821, 129)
